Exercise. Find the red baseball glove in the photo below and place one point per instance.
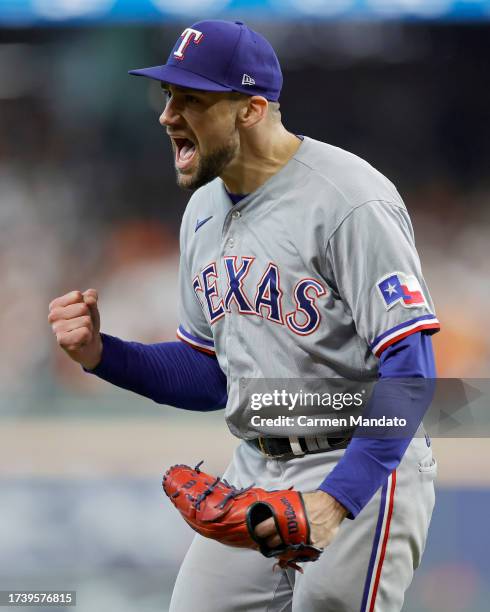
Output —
(218, 510)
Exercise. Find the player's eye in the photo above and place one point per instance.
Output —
(191, 99)
(166, 93)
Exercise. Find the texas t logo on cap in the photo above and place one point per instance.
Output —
(187, 35)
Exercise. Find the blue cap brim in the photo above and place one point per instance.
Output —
(180, 77)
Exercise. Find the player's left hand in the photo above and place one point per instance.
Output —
(325, 514)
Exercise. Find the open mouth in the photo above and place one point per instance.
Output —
(185, 151)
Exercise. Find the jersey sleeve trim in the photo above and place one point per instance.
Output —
(199, 343)
(386, 339)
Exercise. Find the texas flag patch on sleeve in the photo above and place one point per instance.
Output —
(399, 288)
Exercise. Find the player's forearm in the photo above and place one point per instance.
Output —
(405, 390)
(363, 469)
(170, 373)
(368, 461)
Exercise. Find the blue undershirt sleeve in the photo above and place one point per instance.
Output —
(171, 373)
(367, 462)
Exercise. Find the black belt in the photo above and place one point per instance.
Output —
(297, 447)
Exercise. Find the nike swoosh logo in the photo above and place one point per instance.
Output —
(201, 223)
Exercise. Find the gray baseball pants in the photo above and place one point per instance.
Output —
(367, 568)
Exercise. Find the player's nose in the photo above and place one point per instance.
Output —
(168, 116)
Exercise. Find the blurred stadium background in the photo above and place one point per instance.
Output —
(87, 198)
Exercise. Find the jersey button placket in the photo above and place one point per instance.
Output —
(235, 215)
(228, 324)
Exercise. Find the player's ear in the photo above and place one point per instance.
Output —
(253, 111)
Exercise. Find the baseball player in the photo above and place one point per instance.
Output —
(297, 261)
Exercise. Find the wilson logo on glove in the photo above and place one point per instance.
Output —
(290, 515)
(218, 510)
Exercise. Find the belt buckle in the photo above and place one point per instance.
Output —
(262, 448)
(267, 454)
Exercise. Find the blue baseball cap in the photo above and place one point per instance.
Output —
(216, 55)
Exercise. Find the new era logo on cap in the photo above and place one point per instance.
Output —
(247, 80)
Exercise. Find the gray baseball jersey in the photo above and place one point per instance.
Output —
(312, 275)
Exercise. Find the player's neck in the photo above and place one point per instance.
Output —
(259, 159)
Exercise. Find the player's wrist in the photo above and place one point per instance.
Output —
(93, 359)
(323, 498)
(325, 514)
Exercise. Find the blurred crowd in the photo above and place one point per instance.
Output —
(88, 196)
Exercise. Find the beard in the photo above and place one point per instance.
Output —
(210, 166)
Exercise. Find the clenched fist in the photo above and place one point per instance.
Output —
(75, 320)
